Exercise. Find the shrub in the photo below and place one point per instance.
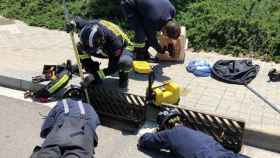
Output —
(227, 26)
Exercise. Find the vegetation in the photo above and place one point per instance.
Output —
(239, 27)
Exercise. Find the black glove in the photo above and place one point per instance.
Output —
(70, 26)
(171, 50)
(90, 66)
(162, 50)
(88, 81)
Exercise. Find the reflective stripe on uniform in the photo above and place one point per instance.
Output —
(129, 70)
(130, 48)
(58, 85)
(139, 45)
(92, 33)
(82, 108)
(101, 74)
(65, 105)
(84, 56)
(82, 31)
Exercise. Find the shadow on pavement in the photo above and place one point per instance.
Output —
(158, 72)
(157, 154)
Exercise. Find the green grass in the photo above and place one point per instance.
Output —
(227, 26)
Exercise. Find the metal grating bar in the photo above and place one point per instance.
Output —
(226, 131)
(115, 105)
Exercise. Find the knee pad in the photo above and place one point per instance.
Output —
(125, 61)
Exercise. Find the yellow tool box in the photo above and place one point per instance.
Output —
(169, 93)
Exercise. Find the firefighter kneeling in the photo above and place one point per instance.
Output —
(103, 39)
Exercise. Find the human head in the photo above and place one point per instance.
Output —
(172, 30)
(168, 118)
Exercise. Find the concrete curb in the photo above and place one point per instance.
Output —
(252, 137)
(15, 83)
(261, 139)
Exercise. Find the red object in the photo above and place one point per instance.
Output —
(43, 100)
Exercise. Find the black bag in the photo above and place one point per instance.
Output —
(235, 71)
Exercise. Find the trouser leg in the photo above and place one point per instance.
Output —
(135, 23)
(76, 153)
(49, 152)
(125, 66)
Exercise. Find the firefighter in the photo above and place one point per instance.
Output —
(146, 18)
(103, 39)
(182, 141)
(69, 131)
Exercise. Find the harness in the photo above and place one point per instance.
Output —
(118, 32)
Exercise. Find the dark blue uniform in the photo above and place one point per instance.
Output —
(186, 143)
(147, 17)
(69, 131)
(101, 38)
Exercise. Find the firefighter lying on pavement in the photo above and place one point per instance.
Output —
(146, 18)
(69, 131)
(103, 39)
(182, 141)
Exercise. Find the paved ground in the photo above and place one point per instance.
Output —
(20, 124)
(25, 49)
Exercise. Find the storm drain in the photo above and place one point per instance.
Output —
(114, 105)
(130, 110)
(228, 132)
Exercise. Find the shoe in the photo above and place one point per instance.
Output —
(274, 75)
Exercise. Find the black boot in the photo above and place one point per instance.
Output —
(274, 75)
(123, 79)
(141, 54)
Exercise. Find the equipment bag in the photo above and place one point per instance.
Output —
(235, 71)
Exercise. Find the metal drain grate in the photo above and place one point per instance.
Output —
(115, 105)
(227, 132)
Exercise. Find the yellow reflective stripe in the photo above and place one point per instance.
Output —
(84, 56)
(139, 45)
(127, 71)
(130, 48)
(101, 74)
(116, 30)
(57, 85)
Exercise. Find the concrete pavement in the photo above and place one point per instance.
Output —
(24, 50)
(20, 124)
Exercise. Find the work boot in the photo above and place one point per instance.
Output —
(141, 54)
(123, 79)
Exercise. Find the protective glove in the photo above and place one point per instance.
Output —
(171, 50)
(87, 81)
(163, 49)
(70, 26)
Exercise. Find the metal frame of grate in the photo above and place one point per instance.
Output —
(115, 105)
(226, 131)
